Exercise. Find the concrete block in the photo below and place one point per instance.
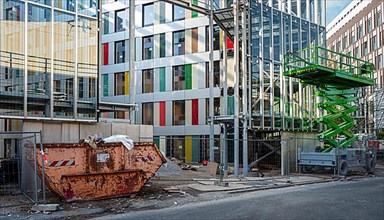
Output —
(33, 126)
(133, 132)
(119, 128)
(101, 129)
(212, 168)
(46, 208)
(52, 133)
(146, 133)
(70, 132)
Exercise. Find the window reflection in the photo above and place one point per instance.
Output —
(148, 15)
(179, 43)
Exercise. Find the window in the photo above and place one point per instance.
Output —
(147, 113)
(69, 88)
(195, 40)
(105, 85)
(178, 77)
(365, 48)
(56, 86)
(338, 46)
(369, 25)
(13, 13)
(216, 38)
(119, 52)
(378, 18)
(81, 87)
(179, 112)
(119, 83)
(148, 47)
(162, 45)
(178, 13)
(148, 81)
(353, 39)
(162, 19)
(216, 74)
(91, 88)
(379, 61)
(216, 107)
(178, 43)
(106, 23)
(360, 31)
(374, 43)
(120, 21)
(344, 42)
(356, 52)
(148, 15)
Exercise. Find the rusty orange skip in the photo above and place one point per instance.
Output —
(79, 172)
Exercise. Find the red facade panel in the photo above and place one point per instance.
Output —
(105, 48)
(195, 112)
(162, 114)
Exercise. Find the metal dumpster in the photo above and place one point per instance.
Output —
(79, 172)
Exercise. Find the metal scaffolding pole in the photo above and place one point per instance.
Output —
(244, 88)
(211, 128)
(132, 74)
(225, 99)
(236, 83)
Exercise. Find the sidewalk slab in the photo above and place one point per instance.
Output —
(210, 187)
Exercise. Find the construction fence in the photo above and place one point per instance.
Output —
(18, 165)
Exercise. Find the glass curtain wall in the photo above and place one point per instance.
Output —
(281, 103)
(48, 59)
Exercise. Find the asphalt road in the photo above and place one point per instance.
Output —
(356, 199)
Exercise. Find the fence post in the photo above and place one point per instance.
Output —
(35, 170)
(283, 159)
(42, 167)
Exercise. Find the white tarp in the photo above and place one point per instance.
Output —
(128, 143)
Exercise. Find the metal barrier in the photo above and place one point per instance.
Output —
(18, 173)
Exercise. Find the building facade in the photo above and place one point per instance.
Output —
(171, 68)
(49, 61)
(358, 31)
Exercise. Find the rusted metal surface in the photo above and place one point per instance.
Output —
(79, 172)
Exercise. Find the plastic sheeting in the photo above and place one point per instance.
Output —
(127, 142)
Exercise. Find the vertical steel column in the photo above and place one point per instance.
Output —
(244, 88)
(75, 84)
(249, 58)
(308, 10)
(52, 60)
(261, 67)
(211, 128)
(323, 14)
(25, 58)
(224, 71)
(132, 73)
(236, 83)
(316, 9)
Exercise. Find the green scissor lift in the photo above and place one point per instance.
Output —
(336, 77)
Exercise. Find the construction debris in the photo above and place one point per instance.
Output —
(183, 165)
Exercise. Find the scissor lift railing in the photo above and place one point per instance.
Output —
(335, 75)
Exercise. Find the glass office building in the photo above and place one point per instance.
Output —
(48, 59)
(280, 26)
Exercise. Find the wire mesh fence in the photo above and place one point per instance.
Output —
(19, 173)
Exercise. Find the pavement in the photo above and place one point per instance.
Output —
(191, 187)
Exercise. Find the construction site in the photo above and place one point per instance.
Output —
(99, 123)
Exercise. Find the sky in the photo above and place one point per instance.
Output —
(334, 7)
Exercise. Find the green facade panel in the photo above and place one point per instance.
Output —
(188, 76)
(162, 79)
